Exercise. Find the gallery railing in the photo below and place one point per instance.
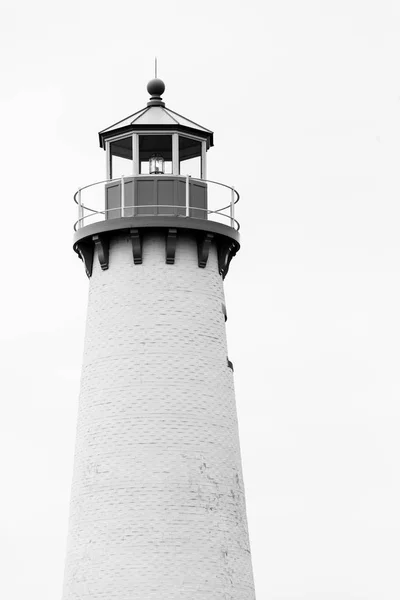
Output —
(129, 197)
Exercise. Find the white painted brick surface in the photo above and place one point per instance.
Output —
(157, 505)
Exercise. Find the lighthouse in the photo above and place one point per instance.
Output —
(157, 507)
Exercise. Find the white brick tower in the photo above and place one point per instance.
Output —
(157, 503)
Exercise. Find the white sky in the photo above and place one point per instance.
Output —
(304, 99)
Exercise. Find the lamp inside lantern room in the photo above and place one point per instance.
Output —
(156, 164)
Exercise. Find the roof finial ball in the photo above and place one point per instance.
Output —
(156, 87)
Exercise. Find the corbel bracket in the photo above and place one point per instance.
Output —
(225, 254)
(102, 246)
(136, 246)
(85, 252)
(203, 248)
(170, 246)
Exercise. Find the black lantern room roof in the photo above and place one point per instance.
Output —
(155, 116)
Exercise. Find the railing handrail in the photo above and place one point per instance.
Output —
(206, 210)
(85, 187)
(222, 185)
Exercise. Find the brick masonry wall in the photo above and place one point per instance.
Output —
(157, 504)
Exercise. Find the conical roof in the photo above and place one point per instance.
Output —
(156, 116)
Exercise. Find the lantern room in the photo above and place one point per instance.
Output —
(155, 141)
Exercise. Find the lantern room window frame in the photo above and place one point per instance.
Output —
(175, 151)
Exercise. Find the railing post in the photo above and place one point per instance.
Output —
(203, 174)
(80, 212)
(175, 154)
(122, 196)
(133, 196)
(108, 161)
(187, 194)
(232, 208)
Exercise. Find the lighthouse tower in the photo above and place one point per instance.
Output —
(157, 503)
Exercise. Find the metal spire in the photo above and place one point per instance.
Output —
(155, 67)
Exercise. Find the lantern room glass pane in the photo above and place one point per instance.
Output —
(121, 158)
(150, 145)
(189, 157)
